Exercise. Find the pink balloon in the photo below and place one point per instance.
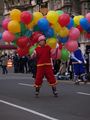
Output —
(71, 45)
(26, 17)
(88, 17)
(5, 23)
(8, 37)
(56, 53)
(74, 34)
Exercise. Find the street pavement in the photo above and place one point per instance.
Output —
(18, 102)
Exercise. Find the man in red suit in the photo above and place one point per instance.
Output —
(44, 65)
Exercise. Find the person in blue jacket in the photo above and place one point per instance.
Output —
(78, 61)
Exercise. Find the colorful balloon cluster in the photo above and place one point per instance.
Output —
(61, 31)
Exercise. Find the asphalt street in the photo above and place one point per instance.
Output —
(18, 102)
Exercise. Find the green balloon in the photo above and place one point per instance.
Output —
(23, 28)
(31, 50)
(64, 54)
(75, 25)
(36, 28)
(14, 43)
(17, 35)
(28, 33)
(59, 12)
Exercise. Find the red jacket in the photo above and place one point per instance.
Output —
(43, 55)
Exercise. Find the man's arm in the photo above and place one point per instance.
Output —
(73, 57)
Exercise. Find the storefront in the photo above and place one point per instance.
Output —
(9, 49)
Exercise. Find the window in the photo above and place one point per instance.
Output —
(85, 5)
(67, 1)
(85, 8)
(67, 10)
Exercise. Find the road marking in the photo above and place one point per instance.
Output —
(29, 85)
(28, 110)
(83, 93)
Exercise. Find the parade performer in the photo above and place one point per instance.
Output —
(44, 65)
(78, 61)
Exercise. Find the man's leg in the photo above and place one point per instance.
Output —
(83, 73)
(76, 74)
(51, 79)
(39, 79)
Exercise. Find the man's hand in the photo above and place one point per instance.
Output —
(80, 62)
(85, 61)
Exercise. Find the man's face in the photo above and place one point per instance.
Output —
(42, 43)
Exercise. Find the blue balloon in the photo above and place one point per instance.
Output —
(88, 28)
(49, 33)
(71, 24)
(0, 36)
(62, 40)
(43, 24)
(84, 23)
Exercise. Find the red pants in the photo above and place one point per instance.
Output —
(47, 72)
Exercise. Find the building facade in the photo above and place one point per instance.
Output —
(73, 7)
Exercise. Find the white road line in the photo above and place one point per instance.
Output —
(29, 85)
(83, 93)
(28, 110)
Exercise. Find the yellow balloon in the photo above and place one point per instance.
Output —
(15, 14)
(81, 16)
(14, 26)
(31, 25)
(77, 19)
(56, 27)
(64, 32)
(51, 42)
(52, 17)
(37, 16)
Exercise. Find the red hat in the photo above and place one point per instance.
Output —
(42, 37)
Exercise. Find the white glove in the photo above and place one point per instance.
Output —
(85, 61)
(80, 61)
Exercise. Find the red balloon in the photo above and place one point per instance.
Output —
(34, 37)
(26, 17)
(71, 45)
(22, 41)
(22, 52)
(87, 35)
(60, 46)
(80, 28)
(64, 19)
